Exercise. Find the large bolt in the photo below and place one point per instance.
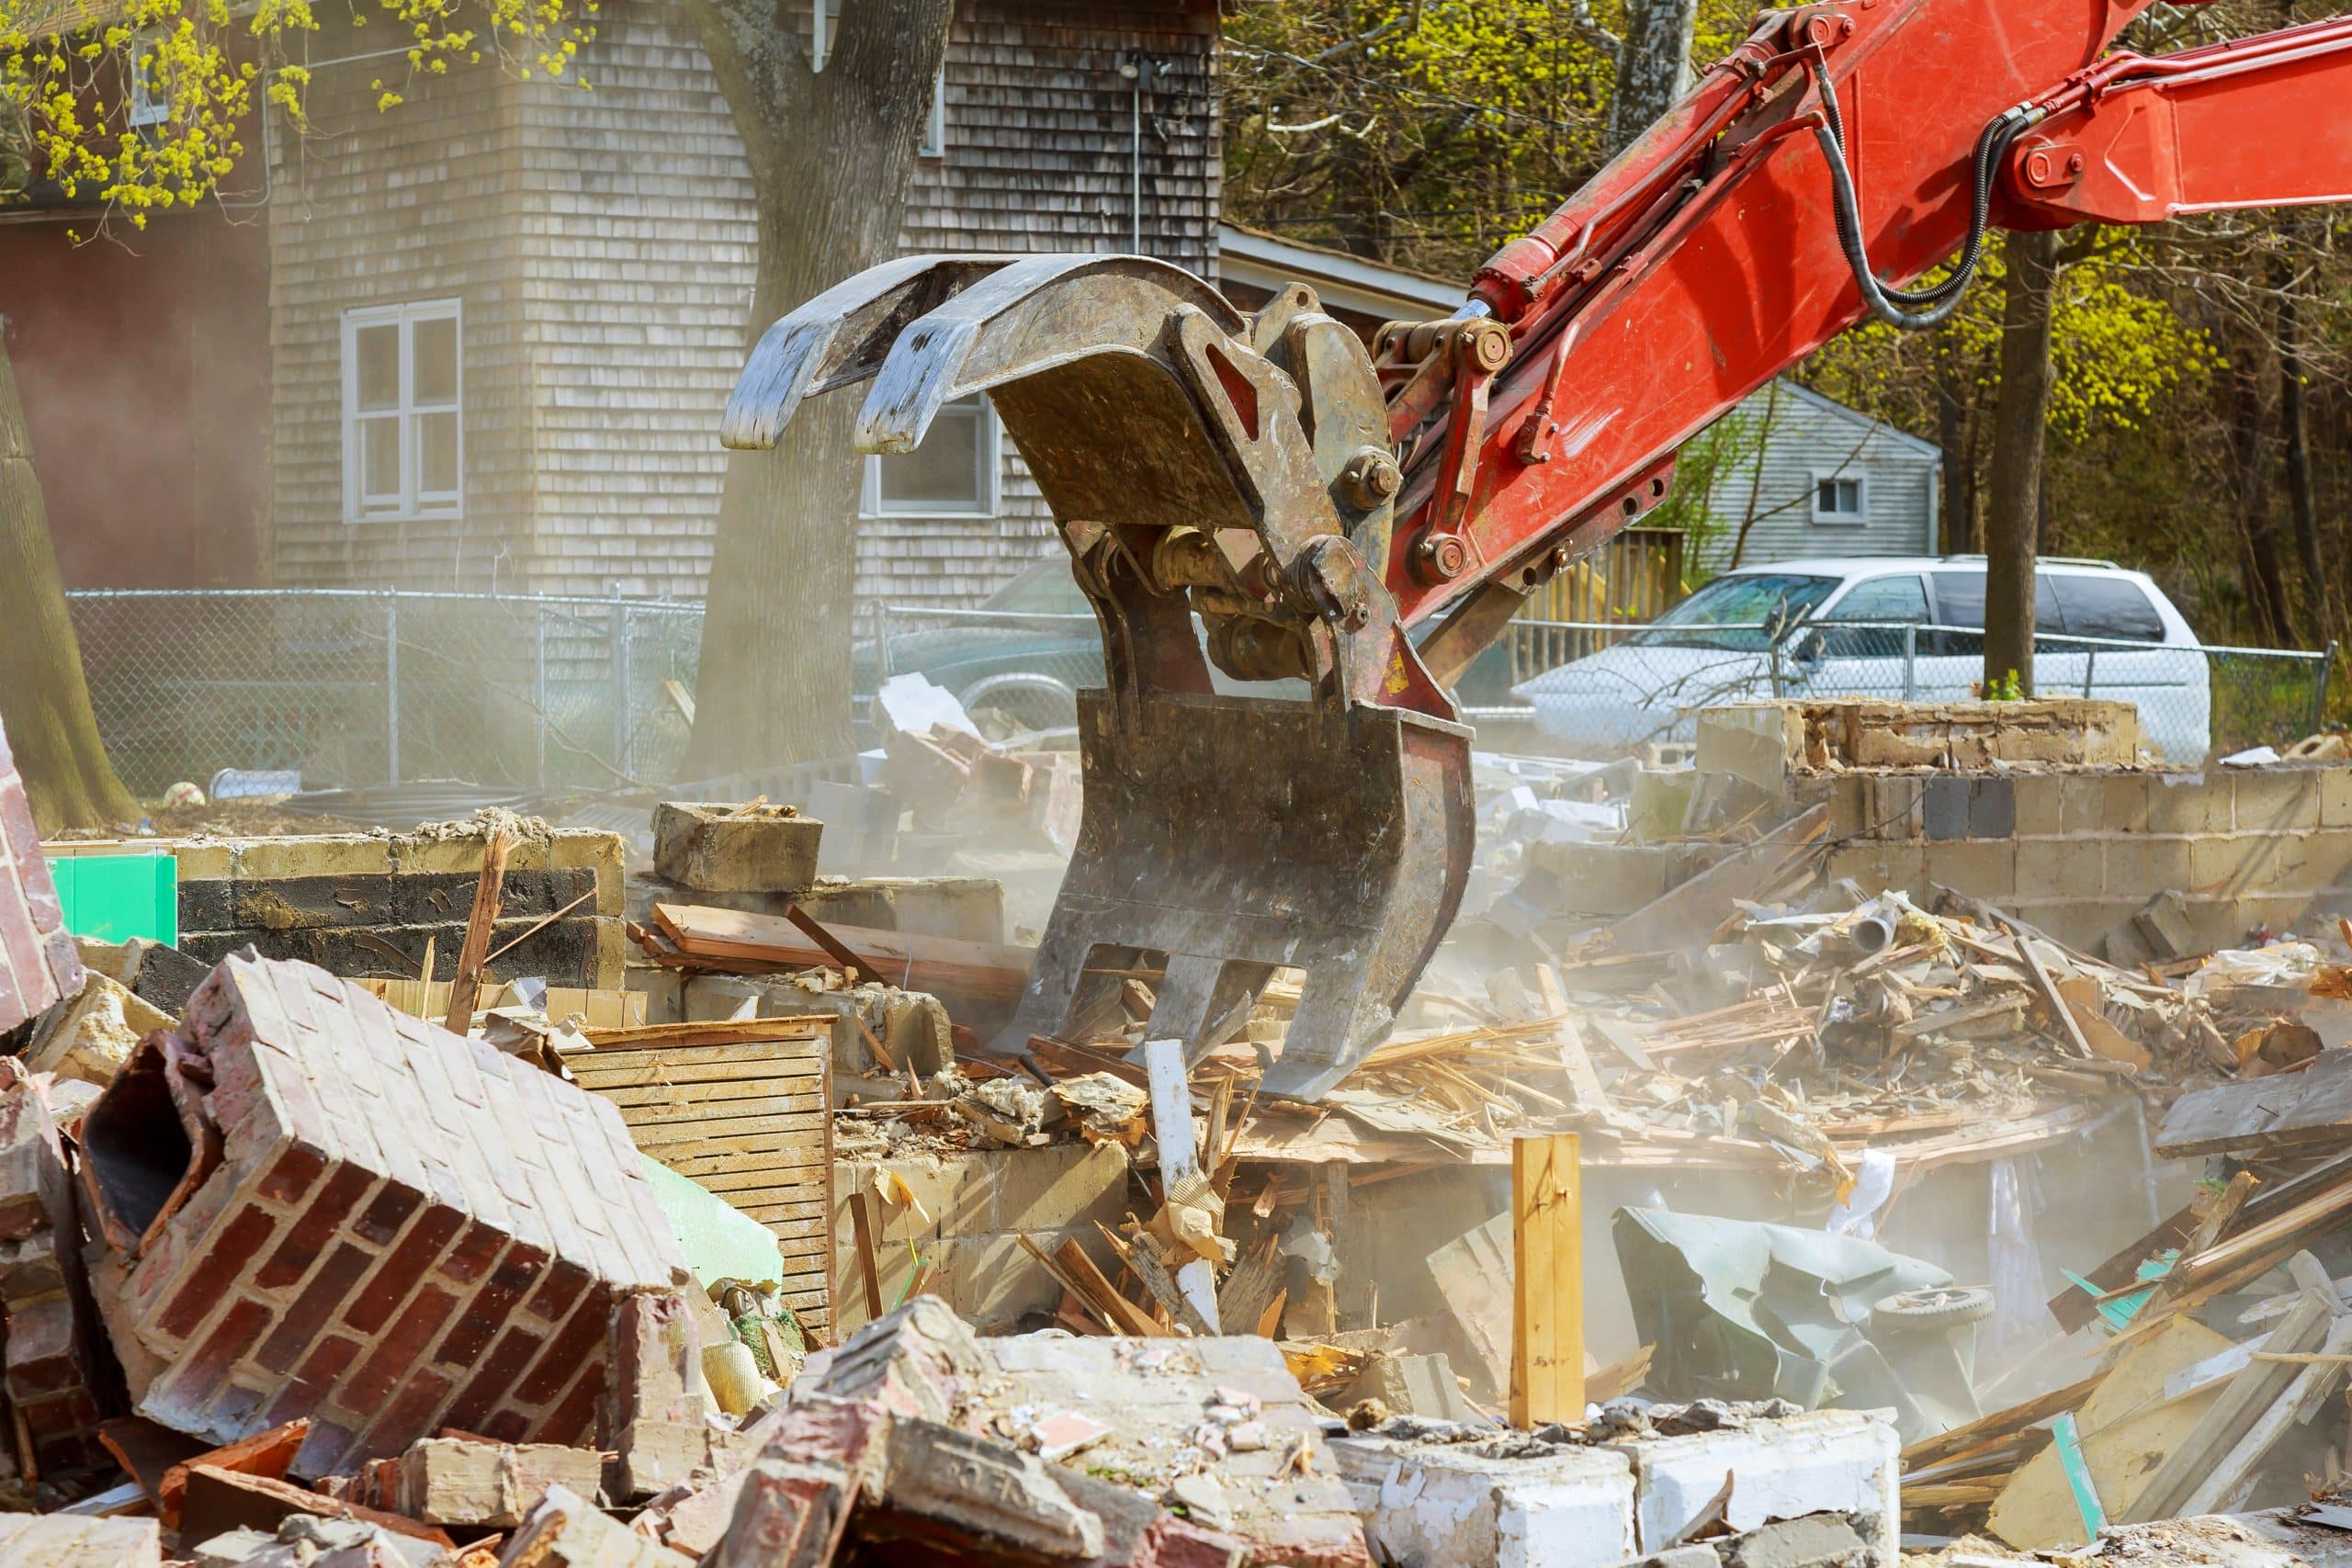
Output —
(1440, 557)
(1371, 478)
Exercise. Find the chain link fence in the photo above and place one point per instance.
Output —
(358, 687)
(551, 694)
(1603, 687)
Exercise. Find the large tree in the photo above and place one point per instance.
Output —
(123, 112)
(831, 154)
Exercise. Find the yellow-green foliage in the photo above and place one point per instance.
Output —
(69, 69)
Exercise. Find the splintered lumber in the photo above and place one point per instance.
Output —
(2184, 1483)
(474, 952)
(1999, 1424)
(1582, 1079)
(981, 971)
(2312, 1109)
(1547, 1282)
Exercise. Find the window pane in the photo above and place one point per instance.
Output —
(2106, 607)
(380, 460)
(1883, 599)
(436, 454)
(945, 471)
(435, 349)
(1746, 601)
(378, 350)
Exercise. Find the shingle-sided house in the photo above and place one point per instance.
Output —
(505, 316)
(1812, 477)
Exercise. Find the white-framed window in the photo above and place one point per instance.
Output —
(1840, 497)
(151, 103)
(403, 384)
(953, 473)
(825, 26)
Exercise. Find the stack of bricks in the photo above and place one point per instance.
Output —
(38, 964)
(315, 1206)
(52, 1362)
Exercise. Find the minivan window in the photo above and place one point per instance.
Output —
(1900, 600)
(1725, 613)
(2113, 607)
(1960, 602)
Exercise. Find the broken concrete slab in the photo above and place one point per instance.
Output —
(1453, 1505)
(278, 1258)
(90, 1037)
(566, 1530)
(1815, 1461)
(64, 1540)
(734, 848)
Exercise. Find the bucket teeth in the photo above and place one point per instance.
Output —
(1223, 838)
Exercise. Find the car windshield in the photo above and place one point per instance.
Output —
(1726, 612)
(1045, 589)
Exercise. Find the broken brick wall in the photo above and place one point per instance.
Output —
(311, 1204)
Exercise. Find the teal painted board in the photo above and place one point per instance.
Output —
(116, 897)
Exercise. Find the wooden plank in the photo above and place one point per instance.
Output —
(715, 1092)
(2280, 1234)
(2060, 1013)
(1547, 1305)
(733, 1173)
(1582, 1079)
(657, 1125)
(994, 971)
(1098, 1290)
(680, 1073)
(2289, 1110)
(713, 1032)
(2234, 1412)
(2314, 1383)
(792, 1105)
(475, 951)
(747, 1053)
(1999, 1423)
(869, 1268)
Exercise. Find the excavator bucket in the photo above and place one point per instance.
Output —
(1208, 473)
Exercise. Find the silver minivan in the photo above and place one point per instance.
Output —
(1900, 626)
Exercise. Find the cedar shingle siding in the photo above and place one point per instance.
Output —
(1802, 435)
(601, 245)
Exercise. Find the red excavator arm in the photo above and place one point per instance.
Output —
(1254, 496)
(1710, 257)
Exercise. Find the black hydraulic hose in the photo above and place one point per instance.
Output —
(1922, 309)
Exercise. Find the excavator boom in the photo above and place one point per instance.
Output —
(1260, 492)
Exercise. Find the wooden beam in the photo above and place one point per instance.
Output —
(1547, 1280)
(466, 987)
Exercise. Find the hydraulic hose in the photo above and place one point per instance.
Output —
(1924, 308)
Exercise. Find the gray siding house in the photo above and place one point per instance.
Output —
(505, 316)
(1815, 477)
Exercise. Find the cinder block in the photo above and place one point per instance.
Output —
(1087, 1182)
(1851, 799)
(716, 846)
(1444, 1506)
(2079, 922)
(1992, 807)
(2189, 802)
(1822, 1462)
(2103, 803)
(1898, 805)
(2335, 795)
(2274, 800)
(2141, 866)
(1984, 868)
(664, 991)
(1879, 867)
(2040, 804)
(1943, 807)
(1761, 742)
(317, 854)
(2073, 867)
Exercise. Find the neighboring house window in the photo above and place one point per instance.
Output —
(825, 26)
(150, 104)
(1841, 498)
(951, 474)
(402, 449)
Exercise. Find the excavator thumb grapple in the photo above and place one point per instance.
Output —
(1225, 485)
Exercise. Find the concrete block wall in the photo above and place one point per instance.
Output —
(314, 1205)
(364, 904)
(1449, 1506)
(2078, 853)
(975, 1205)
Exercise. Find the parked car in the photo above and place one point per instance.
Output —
(1883, 626)
(1032, 645)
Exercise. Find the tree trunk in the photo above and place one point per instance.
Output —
(831, 154)
(2020, 423)
(2294, 427)
(44, 702)
(1959, 472)
(1652, 66)
(2266, 586)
